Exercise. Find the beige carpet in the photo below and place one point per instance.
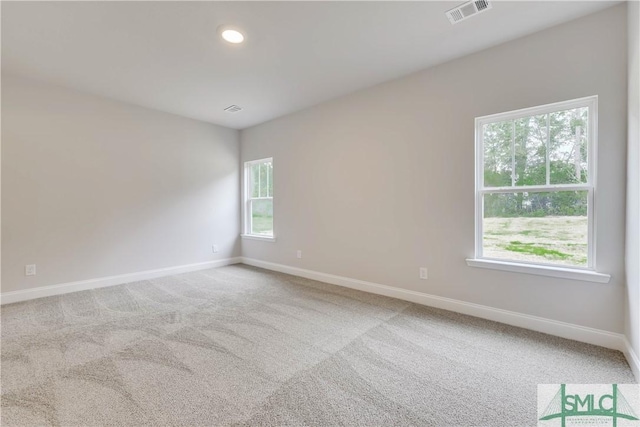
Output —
(243, 346)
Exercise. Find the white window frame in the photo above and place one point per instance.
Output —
(247, 200)
(587, 273)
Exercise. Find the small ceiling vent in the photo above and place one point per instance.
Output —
(233, 109)
(467, 10)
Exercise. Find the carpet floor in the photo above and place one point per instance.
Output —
(244, 346)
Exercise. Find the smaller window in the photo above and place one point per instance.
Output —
(258, 198)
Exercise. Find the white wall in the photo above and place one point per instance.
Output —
(93, 187)
(403, 152)
(632, 321)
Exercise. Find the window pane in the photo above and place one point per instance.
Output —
(531, 150)
(497, 141)
(263, 180)
(262, 217)
(255, 180)
(270, 172)
(568, 146)
(549, 228)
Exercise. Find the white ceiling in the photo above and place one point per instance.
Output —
(168, 56)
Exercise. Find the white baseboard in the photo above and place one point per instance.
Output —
(632, 358)
(83, 285)
(552, 327)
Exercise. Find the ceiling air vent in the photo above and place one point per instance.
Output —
(232, 109)
(467, 10)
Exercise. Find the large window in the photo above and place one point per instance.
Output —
(258, 208)
(535, 182)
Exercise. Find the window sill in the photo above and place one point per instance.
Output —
(256, 237)
(541, 270)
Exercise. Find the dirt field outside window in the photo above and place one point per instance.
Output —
(551, 239)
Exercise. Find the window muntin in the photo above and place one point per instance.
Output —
(259, 198)
(535, 184)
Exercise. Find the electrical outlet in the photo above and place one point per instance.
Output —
(423, 273)
(30, 270)
(299, 254)
(215, 249)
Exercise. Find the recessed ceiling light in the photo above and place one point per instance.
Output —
(230, 34)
